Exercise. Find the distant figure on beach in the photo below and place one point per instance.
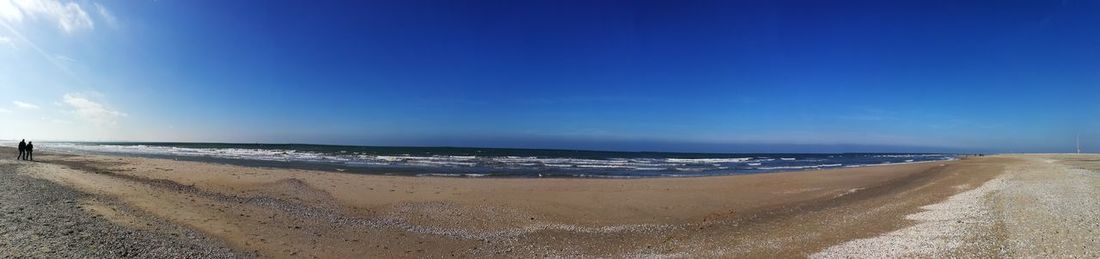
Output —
(30, 151)
(22, 150)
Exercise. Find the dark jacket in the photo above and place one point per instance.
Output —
(22, 145)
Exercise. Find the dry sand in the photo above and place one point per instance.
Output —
(1043, 206)
(852, 212)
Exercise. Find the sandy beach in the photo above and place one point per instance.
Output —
(549, 129)
(974, 207)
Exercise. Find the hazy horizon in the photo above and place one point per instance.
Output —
(695, 76)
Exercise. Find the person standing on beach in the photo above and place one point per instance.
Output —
(22, 150)
(30, 151)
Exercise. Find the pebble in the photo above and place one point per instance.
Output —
(40, 221)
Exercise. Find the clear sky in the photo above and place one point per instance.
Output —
(626, 75)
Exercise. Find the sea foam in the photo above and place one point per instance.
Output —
(492, 162)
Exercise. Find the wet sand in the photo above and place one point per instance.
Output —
(825, 213)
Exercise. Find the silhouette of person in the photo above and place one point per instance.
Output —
(22, 149)
(30, 151)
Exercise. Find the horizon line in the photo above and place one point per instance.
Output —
(543, 148)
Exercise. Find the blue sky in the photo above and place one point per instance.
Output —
(626, 75)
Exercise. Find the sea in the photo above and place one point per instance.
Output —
(489, 162)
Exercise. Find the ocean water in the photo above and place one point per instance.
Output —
(489, 162)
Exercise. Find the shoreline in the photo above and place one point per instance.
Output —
(462, 173)
(291, 213)
(896, 210)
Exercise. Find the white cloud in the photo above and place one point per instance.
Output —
(74, 18)
(9, 11)
(65, 63)
(70, 17)
(24, 105)
(64, 58)
(106, 15)
(2, 110)
(6, 41)
(55, 120)
(91, 111)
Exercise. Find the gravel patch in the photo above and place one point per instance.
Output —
(41, 219)
(1046, 207)
(1053, 211)
(941, 229)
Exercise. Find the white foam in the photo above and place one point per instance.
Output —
(594, 166)
(707, 160)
